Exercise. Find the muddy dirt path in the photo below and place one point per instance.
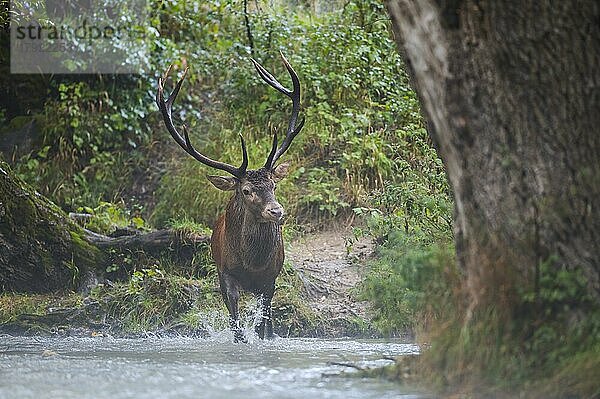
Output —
(331, 275)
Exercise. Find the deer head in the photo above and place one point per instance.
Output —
(254, 190)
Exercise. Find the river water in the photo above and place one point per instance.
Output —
(104, 367)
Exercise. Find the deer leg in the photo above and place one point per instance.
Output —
(267, 318)
(231, 295)
(265, 328)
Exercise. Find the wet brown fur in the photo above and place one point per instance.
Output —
(248, 252)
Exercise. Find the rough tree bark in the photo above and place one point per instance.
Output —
(43, 250)
(511, 92)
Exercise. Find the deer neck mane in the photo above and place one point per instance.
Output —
(256, 242)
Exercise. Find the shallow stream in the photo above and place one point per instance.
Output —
(104, 367)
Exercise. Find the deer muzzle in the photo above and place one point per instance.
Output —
(273, 212)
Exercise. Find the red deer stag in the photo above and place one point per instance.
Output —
(246, 242)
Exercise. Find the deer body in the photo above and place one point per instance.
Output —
(249, 256)
(237, 246)
(246, 243)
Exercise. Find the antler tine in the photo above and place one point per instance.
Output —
(271, 156)
(294, 95)
(165, 108)
(244, 164)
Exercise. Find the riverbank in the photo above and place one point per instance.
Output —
(316, 297)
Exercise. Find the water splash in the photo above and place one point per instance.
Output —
(216, 323)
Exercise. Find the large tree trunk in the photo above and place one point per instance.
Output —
(43, 250)
(511, 92)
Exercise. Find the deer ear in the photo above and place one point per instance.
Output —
(281, 171)
(225, 183)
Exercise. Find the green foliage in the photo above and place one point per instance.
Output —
(321, 193)
(540, 339)
(101, 133)
(90, 135)
(154, 300)
(356, 103)
(418, 202)
(13, 306)
(410, 217)
(107, 217)
(400, 281)
(566, 313)
(188, 226)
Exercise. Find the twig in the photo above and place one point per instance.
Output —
(157, 238)
(349, 309)
(248, 28)
(354, 366)
(80, 217)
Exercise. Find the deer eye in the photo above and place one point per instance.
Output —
(246, 191)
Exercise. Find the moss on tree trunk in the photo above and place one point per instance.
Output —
(41, 249)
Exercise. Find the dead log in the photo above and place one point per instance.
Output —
(178, 246)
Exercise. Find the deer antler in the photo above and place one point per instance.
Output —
(166, 110)
(294, 95)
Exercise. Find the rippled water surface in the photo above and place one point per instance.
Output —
(192, 368)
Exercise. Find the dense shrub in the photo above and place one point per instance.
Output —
(102, 139)
(356, 100)
(404, 277)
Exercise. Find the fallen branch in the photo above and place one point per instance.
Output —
(43, 250)
(150, 242)
(352, 365)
